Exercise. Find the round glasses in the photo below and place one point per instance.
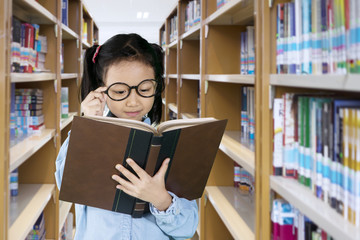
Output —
(120, 91)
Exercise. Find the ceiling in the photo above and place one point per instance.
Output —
(120, 16)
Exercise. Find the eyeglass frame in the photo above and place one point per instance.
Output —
(130, 88)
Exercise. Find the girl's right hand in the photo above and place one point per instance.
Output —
(94, 102)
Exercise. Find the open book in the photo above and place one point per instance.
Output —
(97, 144)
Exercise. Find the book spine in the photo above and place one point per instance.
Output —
(357, 170)
(346, 161)
(319, 151)
(278, 138)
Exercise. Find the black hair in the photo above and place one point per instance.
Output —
(124, 47)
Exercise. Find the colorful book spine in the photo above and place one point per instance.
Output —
(288, 137)
(250, 50)
(278, 118)
(306, 66)
(14, 183)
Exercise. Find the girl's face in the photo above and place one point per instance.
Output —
(132, 73)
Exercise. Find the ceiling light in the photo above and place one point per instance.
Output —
(146, 15)
(139, 15)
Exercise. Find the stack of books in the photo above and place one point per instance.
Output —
(192, 14)
(28, 48)
(28, 104)
(248, 116)
(247, 51)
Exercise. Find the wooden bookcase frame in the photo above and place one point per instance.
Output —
(35, 155)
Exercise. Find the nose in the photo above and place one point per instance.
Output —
(132, 99)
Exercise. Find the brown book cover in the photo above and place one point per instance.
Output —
(97, 144)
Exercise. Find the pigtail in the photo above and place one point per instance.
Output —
(90, 79)
(158, 59)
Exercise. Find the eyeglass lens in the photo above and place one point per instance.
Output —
(120, 91)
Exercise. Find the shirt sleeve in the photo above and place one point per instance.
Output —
(181, 218)
(60, 161)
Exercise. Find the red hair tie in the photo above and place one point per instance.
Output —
(96, 53)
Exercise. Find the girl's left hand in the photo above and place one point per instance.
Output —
(145, 187)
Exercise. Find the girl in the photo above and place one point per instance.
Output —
(126, 74)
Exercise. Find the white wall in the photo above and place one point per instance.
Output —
(148, 30)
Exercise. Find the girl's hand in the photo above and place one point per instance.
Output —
(94, 102)
(145, 187)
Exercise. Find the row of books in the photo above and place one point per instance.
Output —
(28, 48)
(26, 116)
(173, 28)
(317, 141)
(38, 231)
(248, 115)
(318, 37)
(220, 3)
(288, 223)
(247, 51)
(192, 14)
(84, 34)
(243, 180)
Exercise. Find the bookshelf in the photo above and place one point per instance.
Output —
(203, 80)
(34, 155)
(274, 85)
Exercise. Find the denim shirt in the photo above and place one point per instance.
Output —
(179, 221)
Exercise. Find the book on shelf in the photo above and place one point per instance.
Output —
(318, 37)
(38, 231)
(287, 222)
(325, 143)
(64, 12)
(102, 142)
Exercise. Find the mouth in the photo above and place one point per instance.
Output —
(132, 114)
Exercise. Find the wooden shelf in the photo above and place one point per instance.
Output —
(189, 115)
(192, 34)
(32, 11)
(231, 78)
(317, 210)
(190, 76)
(349, 82)
(67, 33)
(236, 211)
(233, 13)
(173, 44)
(86, 45)
(32, 77)
(20, 152)
(63, 212)
(27, 207)
(173, 76)
(173, 107)
(66, 121)
(240, 153)
(65, 76)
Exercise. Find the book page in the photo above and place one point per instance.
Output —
(125, 122)
(157, 130)
(182, 123)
